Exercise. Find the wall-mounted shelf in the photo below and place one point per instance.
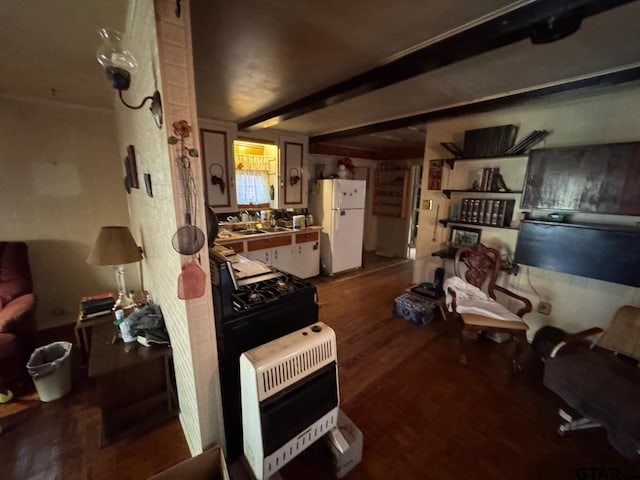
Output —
(446, 221)
(452, 161)
(448, 192)
(390, 193)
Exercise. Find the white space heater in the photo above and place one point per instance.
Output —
(289, 390)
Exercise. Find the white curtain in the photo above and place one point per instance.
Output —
(252, 187)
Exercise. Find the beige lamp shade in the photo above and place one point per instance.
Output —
(114, 246)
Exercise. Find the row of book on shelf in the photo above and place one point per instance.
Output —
(487, 211)
(487, 179)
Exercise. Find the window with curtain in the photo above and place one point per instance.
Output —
(252, 187)
(254, 163)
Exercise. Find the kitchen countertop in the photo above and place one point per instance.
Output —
(238, 236)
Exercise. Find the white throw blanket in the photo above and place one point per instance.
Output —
(470, 299)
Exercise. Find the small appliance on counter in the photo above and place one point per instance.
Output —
(299, 222)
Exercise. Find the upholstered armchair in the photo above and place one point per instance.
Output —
(17, 319)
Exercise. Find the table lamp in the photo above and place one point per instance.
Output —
(115, 246)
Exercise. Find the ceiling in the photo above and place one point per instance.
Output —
(253, 56)
(49, 49)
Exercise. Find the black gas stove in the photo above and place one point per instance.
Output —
(266, 290)
(250, 312)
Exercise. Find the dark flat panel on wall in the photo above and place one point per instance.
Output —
(589, 178)
(608, 253)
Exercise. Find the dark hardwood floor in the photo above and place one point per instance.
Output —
(422, 414)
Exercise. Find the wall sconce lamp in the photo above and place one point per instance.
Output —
(119, 63)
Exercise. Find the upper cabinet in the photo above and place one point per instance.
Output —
(257, 171)
(293, 172)
(216, 142)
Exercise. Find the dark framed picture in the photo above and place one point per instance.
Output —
(464, 236)
(132, 167)
(435, 174)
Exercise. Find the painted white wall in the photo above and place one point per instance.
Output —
(61, 181)
(598, 117)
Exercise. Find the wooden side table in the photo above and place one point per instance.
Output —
(135, 384)
(83, 330)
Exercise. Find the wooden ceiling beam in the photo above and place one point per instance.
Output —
(597, 81)
(399, 153)
(504, 29)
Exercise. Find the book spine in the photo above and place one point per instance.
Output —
(494, 212)
(481, 210)
(100, 296)
(487, 212)
(483, 182)
(474, 211)
(91, 307)
(492, 179)
(86, 316)
(506, 212)
(464, 208)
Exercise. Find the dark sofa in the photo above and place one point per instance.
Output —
(17, 314)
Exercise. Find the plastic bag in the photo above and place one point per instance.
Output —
(46, 360)
(148, 323)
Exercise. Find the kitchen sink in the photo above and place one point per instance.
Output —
(275, 229)
(249, 232)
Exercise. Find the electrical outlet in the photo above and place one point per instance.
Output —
(58, 311)
(544, 308)
(427, 204)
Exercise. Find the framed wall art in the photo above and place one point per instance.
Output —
(464, 236)
(131, 167)
(435, 174)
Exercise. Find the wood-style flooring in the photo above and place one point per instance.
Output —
(423, 416)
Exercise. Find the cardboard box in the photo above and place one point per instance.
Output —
(343, 463)
(209, 465)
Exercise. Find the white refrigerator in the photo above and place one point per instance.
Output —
(338, 206)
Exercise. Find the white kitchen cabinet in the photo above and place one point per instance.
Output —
(276, 252)
(216, 142)
(306, 252)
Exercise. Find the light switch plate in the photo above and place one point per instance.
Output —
(427, 204)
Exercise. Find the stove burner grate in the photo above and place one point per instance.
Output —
(253, 294)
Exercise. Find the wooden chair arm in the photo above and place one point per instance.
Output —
(576, 337)
(453, 300)
(527, 304)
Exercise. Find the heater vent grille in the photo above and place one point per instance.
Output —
(296, 367)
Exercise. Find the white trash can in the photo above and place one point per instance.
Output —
(50, 370)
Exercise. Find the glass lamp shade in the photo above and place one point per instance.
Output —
(117, 61)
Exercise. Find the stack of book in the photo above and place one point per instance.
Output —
(489, 142)
(487, 211)
(486, 181)
(96, 305)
